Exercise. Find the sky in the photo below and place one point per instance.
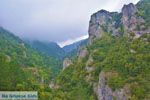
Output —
(61, 21)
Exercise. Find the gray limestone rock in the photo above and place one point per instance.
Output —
(104, 92)
(67, 62)
(116, 24)
(83, 53)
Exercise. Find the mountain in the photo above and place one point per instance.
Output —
(132, 19)
(72, 49)
(48, 48)
(26, 68)
(22, 67)
(115, 63)
(24, 55)
(54, 50)
(69, 48)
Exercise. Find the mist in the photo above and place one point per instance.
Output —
(53, 20)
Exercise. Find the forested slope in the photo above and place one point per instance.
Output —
(115, 65)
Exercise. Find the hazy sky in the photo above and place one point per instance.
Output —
(62, 21)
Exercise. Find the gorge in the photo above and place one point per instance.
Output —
(112, 64)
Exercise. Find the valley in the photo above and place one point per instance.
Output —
(112, 64)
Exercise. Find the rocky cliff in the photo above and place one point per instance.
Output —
(115, 66)
(104, 92)
(127, 21)
(67, 62)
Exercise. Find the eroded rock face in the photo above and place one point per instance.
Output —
(101, 22)
(132, 22)
(126, 22)
(83, 53)
(98, 19)
(67, 62)
(104, 92)
(129, 10)
(128, 17)
(117, 23)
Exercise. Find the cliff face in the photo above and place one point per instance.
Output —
(103, 21)
(67, 62)
(128, 21)
(104, 92)
(132, 22)
(115, 64)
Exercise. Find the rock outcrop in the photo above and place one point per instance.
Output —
(132, 22)
(83, 52)
(98, 19)
(102, 21)
(129, 22)
(104, 92)
(115, 23)
(67, 62)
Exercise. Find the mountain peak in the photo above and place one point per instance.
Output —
(48, 48)
(130, 20)
(129, 9)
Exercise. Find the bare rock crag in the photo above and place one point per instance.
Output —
(116, 23)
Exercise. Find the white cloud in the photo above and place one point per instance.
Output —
(53, 20)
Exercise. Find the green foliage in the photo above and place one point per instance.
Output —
(138, 91)
(23, 68)
(98, 56)
(48, 48)
(117, 18)
(121, 29)
(73, 85)
(126, 56)
(143, 7)
(11, 75)
(116, 82)
(15, 49)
